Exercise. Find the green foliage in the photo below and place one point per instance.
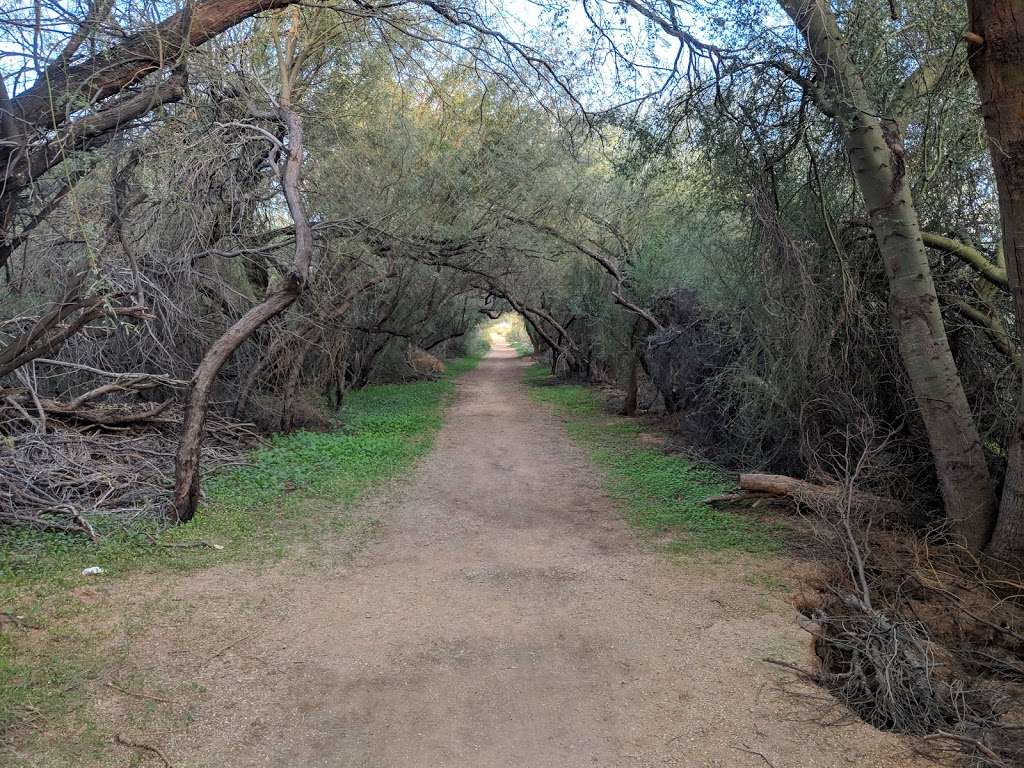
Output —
(508, 327)
(296, 488)
(662, 492)
(475, 349)
(522, 348)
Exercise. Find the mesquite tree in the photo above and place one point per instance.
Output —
(293, 52)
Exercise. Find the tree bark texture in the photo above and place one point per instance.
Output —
(281, 296)
(877, 159)
(997, 63)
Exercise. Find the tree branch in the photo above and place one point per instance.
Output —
(972, 257)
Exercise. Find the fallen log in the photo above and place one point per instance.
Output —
(109, 415)
(823, 498)
(100, 415)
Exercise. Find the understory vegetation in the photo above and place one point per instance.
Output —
(789, 231)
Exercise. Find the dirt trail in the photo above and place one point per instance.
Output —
(506, 617)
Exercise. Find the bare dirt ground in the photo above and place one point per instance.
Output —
(504, 616)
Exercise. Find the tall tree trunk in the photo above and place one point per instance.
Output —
(291, 386)
(632, 386)
(635, 354)
(997, 61)
(280, 297)
(876, 156)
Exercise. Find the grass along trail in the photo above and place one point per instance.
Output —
(293, 499)
(505, 615)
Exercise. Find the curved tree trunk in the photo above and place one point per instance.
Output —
(281, 296)
(997, 61)
(186, 466)
(876, 156)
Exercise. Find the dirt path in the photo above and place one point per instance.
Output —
(504, 617)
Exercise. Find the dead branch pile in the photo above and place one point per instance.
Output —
(884, 669)
(924, 661)
(916, 637)
(910, 632)
(85, 480)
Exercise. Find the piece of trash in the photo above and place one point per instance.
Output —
(92, 570)
(217, 546)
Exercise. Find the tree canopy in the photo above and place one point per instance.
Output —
(791, 226)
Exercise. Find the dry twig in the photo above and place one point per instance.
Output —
(126, 742)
